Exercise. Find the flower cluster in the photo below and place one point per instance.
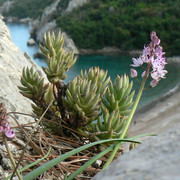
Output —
(155, 59)
(5, 128)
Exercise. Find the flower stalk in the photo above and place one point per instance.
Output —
(11, 157)
(128, 122)
(154, 57)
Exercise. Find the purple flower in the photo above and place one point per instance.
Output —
(9, 133)
(154, 57)
(5, 128)
(1, 129)
(133, 73)
(137, 62)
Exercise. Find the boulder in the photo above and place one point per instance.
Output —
(12, 62)
(157, 158)
(31, 42)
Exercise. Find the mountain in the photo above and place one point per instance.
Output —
(95, 24)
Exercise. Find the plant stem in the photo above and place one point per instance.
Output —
(32, 132)
(11, 157)
(128, 120)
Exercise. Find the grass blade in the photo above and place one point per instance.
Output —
(33, 174)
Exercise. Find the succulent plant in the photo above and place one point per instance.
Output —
(33, 85)
(90, 103)
(58, 60)
(83, 95)
(115, 106)
(119, 95)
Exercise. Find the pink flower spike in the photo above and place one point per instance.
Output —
(1, 129)
(137, 62)
(133, 73)
(9, 133)
(5, 124)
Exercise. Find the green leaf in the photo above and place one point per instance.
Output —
(33, 174)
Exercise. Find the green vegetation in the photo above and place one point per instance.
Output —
(28, 8)
(124, 23)
(2, 1)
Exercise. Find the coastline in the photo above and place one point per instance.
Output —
(158, 116)
(109, 50)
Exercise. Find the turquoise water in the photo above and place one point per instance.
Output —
(20, 36)
(115, 64)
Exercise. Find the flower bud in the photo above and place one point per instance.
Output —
(153, 33)
(143, 74)
(1, 129)
(133, 73)
(154, 83)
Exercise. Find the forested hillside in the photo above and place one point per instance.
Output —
(125, 24)
(27, 8)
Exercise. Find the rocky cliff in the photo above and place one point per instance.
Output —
(47, 22)
(12, 61)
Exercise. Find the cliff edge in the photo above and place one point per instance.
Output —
(12, 61)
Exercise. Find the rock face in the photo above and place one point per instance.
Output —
(157, 158)
(47, 23)
(39, 26)
(12, 61)
(6, 6)
(31, 42)
(75, 4)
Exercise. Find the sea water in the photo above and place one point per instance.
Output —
(115, 64)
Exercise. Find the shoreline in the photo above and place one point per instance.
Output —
(161, 99)
(159, 115)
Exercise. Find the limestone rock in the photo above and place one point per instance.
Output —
(31, 42)
(69, 44)
(75, 4)
(49, 26)
(6, 6)
(12, 61)
(157, 158)
(25, 20)
(33, 26)
(48, 23)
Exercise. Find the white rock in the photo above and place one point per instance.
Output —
(48, 23)
(6, 6)
(69, 44)
(12, 61)
(31, 42)
(75, 4)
